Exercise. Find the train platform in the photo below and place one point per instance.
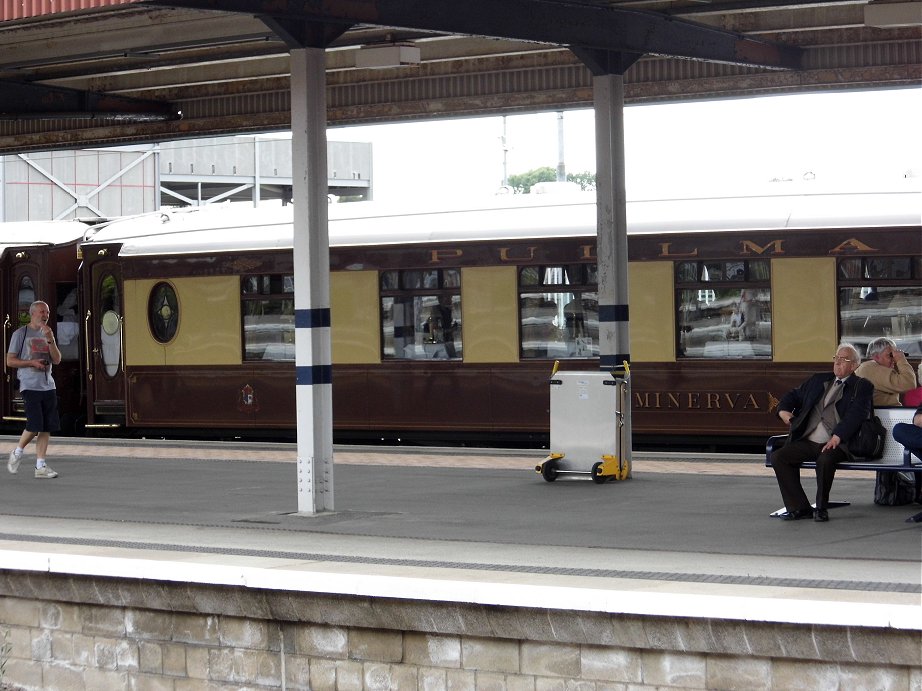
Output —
(687, 535)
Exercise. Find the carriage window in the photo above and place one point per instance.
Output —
(25, 297)
(67, 327)
(724, 309)
(109, 309)
(559, 311)
(268, 309)
(421, 314)
(163, 312)
(881, 297)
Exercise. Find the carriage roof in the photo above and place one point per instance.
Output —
(237, 228)
(18, 234)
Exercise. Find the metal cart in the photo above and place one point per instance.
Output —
(590, 425)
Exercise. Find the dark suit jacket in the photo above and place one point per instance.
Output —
(854, 406)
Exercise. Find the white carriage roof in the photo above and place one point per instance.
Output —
(232, 228)
(19, 234)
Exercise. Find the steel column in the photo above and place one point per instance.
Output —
(313, 351)
(611, 199)
(614, 338)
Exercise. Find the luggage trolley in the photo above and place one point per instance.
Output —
(589, 426)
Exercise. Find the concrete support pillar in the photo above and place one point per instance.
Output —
(313, 356)
(611, 198)
(614, 338)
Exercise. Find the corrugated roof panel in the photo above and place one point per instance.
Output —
(20, 9)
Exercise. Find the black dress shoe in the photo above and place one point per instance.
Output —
(796, 515)
(821, 515)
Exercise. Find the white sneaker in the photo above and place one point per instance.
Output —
(45, 473)
(13, 464)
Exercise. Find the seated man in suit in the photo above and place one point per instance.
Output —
(823, 413)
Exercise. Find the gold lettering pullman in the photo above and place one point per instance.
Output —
(438, 256)
(527, 254)
(667, 250)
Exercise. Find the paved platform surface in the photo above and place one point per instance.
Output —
(688, 533)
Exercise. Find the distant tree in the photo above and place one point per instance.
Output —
(523, 182)
(585, 180)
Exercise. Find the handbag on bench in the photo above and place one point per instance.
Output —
(870, 438)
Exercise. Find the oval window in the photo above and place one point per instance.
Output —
(109, 305)
(163, 312)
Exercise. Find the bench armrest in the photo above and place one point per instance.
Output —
(774, 443)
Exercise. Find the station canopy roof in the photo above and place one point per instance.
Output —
(120, 71)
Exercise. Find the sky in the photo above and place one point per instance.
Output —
(838, 139)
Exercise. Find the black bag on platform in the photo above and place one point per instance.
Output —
(868, 442)
(894, 488)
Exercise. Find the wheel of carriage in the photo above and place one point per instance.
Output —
(549, 471)
(597, 474)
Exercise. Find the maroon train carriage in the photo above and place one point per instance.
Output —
(445, 324)
(38, 261)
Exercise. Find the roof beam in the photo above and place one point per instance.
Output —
(37, 102)
(572, 23)
(304, 34)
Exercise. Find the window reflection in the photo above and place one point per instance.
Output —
(870, 312)
(67, 327)
(109, 307)
(163, 312)
(422, 319)
(25, 296)
(732, 320)
(268, 309)
(561, 320)
(889, 306)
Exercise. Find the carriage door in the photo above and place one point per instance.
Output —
(105, 346)
(18, 295)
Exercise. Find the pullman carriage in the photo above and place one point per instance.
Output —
(38, 261)
(445, 324)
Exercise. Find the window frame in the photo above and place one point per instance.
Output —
(438, 283)
(750, 275)
(566, 343)
(287, 332)
(846, 280)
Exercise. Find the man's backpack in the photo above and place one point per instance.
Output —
(894, 488)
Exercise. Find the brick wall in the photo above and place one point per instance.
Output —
(69, 632)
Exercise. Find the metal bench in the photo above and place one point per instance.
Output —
(896, 457)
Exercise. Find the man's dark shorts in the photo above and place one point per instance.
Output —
(41, 411)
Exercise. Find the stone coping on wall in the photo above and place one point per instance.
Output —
(804, 642)
(153, 569)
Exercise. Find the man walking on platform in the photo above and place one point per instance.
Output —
(32, 352)
(824, 413)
